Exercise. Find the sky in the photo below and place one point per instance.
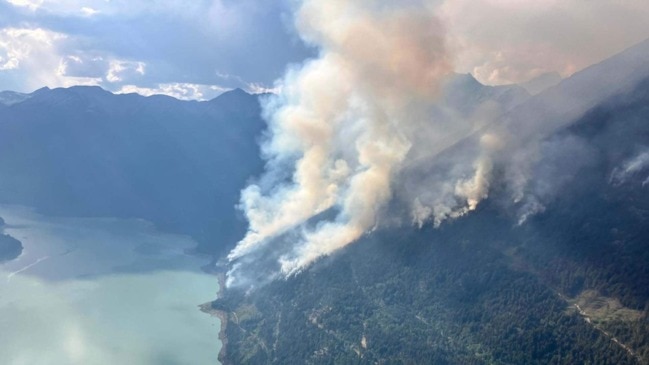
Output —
(200, 48)
(188, 49)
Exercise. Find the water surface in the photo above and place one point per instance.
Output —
(103, 291)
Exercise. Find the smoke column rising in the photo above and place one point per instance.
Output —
(360, 131)
(341, 121)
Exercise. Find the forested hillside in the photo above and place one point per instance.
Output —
(569, 285)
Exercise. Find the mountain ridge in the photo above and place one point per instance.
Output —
(85, 151)
(8, 97)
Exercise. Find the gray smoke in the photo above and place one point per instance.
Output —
(634, 166)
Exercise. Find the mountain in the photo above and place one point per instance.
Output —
(566, 102)
(567, 286)
(8, 98)
(541, 82)
(465, 94)
(83, 151)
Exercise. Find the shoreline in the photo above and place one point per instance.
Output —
(222, 316)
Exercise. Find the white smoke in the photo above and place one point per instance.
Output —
(343, 121)
(629, 168)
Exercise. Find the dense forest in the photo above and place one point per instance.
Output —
(460, 295)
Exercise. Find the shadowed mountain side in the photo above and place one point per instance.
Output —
(541, 83)
(83, 151)
(8, 98)
(563, 103)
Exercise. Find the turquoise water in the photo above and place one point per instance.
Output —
(103, 291)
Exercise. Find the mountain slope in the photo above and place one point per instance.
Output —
(567, 286)
(83, 151)
(541, 83)
(8, 98)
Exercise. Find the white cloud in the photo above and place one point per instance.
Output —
(36, 57)
(72, 7)
(31, 53)
(88, 11)
(179, 41)
(119, 70)
(256, 88)
(182, 91)
(30, 4)
(219, 14)
(67, 79)
(64, 64)
(20, 45)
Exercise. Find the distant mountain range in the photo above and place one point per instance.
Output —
(8, 98)
(84, 151)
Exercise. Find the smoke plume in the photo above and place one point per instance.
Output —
(375, 122)
(342, 121)
(631, 167)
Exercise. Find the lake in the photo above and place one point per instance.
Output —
(103, 291)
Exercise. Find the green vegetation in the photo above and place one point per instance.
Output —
(415, 298)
